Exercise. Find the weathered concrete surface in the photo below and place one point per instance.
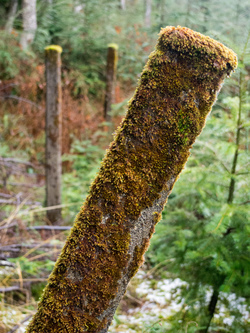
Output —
(177, 89)
(53, 160)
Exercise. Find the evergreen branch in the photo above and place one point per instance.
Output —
(211, 196)
(219, 184)
(215, 154)
(245, 47)
(158, 265)
(190, 322)
(236, 154)
(220, 222)
(242, 173)
(245, 203)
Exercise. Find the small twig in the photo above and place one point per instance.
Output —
(12, 216)
(158, 265)
(242, 173)
(17, 202)
(133, 298)
(20, 274)
(6, 263)
(9, 85)
(32, 280)
(6, 195)
(18, 247)
(20, 184)
(215, 154)
(18, 325)
(21, 99)
(8, 289)
(17, 161)
(49, 227)
(157, 322)
(40, 245)
(8, 226)
(245, 203)
(18, 197)
(39, 256)
(219, 184)
(190, 322)
(54, 207)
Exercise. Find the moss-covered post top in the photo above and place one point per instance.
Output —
(113, 54)
(53, 53)
(113, 46)
(112, 60)
(190, 44)
(56, 48)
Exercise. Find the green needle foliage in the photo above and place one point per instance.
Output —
(205, 228)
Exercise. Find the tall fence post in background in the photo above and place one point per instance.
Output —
(176, 91)
(112, 59)
(53, 131)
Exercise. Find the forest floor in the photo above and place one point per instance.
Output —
(147, 306)
(29, 249)
(28, 252)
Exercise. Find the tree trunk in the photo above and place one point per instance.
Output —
(177, 89)
(112, 58)
(148, 13)
(123, 4)
(53, 132)
(210, 312)
(29, 23)
(11, 15)
(237, 143)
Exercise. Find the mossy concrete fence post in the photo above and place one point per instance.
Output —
(53, 168)
(177, 89)
(112, 58)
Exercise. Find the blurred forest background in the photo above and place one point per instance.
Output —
(196, 276)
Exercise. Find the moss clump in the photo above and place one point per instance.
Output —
(177, 89)
(53, 55)
(113, 46)
(56, 48)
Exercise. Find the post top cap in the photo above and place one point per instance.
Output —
(54, 47)
(184, 41)
(113, 46)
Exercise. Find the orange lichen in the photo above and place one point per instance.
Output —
(105, 248)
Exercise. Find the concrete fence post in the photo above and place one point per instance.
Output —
(177, 89)
(53, 169)
(112, 58)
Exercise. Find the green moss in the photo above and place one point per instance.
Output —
(52, 54)
(56, 48)
(175, 94)
(113, 46)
